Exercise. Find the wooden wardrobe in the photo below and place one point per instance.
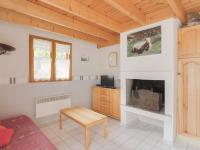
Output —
(189, 81)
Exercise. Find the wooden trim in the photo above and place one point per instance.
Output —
(30, 58)
(53, 56)
(39, 12)
(178, 9)
(49, 39)
(70, 71)
(70, 57)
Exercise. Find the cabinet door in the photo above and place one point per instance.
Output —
(189, 42)
(96, 99)
(105, 104)
(115, 100)
(189, 96)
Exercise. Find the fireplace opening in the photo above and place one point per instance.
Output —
(147, 94)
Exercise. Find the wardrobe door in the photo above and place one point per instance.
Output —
(189, 45)
(189, 96)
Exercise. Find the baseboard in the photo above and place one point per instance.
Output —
(189, 139)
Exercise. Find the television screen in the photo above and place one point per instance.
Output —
(107, 81)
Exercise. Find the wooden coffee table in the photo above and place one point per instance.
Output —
(85, 117)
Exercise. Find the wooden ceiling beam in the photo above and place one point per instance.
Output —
(77, 9)
(178, 9)
(134, 13)
(11, 16)
(36, 11)
(129, 25)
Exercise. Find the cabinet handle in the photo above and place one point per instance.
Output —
(14, 80)
(10, 80)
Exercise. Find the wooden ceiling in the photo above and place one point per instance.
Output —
(96, 21)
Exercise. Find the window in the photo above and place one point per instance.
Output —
(50, 60)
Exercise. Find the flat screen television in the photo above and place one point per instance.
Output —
(107, 81)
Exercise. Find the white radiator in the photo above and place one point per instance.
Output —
(50, 105)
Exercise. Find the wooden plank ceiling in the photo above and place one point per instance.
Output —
(96, 21)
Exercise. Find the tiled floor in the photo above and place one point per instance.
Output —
(139, 136)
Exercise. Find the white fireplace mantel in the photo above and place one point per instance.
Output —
(168, 117)
(152, 67)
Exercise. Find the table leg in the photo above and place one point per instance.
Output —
(60, 120)
(86, 138)
(105, 128)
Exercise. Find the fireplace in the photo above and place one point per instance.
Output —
(154, 101)
(147, 94)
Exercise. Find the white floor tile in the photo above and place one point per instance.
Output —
(190, 147)
(137, 136)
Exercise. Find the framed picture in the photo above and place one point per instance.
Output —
(113, 59)
(84, 58)
(146, 42)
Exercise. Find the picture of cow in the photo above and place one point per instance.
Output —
(145, 42)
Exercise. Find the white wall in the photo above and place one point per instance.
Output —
(158, 62)
(154, 67)
(104, 65)
(19, 98)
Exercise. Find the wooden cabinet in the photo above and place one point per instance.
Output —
(189, 82)
(106, 101)
(189, 42)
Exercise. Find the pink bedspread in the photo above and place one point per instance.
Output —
(27, 135)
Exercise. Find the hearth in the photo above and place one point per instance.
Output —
(148, 95)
